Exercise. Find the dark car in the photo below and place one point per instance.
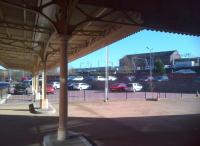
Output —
(146, 79)
(70, 85)
(119, 87)
(20, 89)
(27, 83)
(161, 78)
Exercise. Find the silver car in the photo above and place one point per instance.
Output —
(134, 87)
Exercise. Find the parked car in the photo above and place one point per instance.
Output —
(185, 71)
(134, 87)
(161, 78)
(20, 89)
(100, 78)
(146, 79)
(112, 78)
(89, 78)
(78, 78)
(118, 87)
(56, 85)
(50, 89)
(81, 86)
(70, 78)
(11, 87)
(70, 85)
(28, 87)
(131, 78)
(28, 83)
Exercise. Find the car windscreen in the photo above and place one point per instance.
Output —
(20, 86)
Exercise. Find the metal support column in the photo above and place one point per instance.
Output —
(33, 84)
(63, 102)
(37, 93)
(43, 99)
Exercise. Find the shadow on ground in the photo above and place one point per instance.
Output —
(180, 130)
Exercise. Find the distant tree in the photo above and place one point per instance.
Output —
(159, 67)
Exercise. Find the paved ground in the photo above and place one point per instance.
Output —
(168, 122)
(139, 123)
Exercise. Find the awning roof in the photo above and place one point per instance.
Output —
(28, 33)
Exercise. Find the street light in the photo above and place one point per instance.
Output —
(106, 73)
(150, 69)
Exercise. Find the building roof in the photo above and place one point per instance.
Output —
(154, 54)
(188, 59)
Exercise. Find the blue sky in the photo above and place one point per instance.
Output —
(137, 43)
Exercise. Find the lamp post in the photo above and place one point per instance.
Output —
(106, 80)
(150, 69)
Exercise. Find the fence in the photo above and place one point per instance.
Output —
(99, 95)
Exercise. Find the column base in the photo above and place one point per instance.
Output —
(61, 135)
(74, 139)
(44, 103)
(37, 96)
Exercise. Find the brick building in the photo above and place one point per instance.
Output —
(142, 61)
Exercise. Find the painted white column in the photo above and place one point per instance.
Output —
(37, 92)
(44, 100)
(33, 84)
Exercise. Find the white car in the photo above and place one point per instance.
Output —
(134, 87)
(78, 78)
(112, 78)
(100, 78)
(81, 86)
(56, 85)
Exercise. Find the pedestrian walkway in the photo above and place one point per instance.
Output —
(19, 127)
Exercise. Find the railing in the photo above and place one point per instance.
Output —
(98, 95)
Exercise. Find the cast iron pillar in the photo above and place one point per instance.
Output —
(43, 99)
(33, 84)
(63, 102)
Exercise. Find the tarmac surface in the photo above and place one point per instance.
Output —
(167, 122)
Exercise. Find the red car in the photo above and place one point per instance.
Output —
(50, 89)
(118, 87)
